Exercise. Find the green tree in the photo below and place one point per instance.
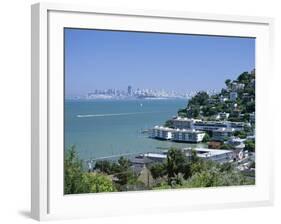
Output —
(206, 138)
(250, 107)
(169, 123)
(225, 167)
(200, 165)
(193, 156)
(158, 170)
(176, 163)
(204, 179)
(73, 171)
(216, 177)
(250, 145)
(225, 146)
(124, 163)
(244, 77)
(240, 134)
(182, 112)
(162, 186)
(186, 171)
(227, 82)
(104, 166)
(201, 99)
(253, 164)
(94, 183)
(123, 173)
(224, 92)
(76, 181)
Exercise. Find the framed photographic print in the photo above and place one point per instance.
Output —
(138, 111)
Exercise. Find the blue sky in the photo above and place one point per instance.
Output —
(96, 59)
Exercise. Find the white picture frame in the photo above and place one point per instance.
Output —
(48, 201)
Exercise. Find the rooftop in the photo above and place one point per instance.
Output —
(188, 130)
(185, 119)
(203, 152)
(177, 130)
(155, 155)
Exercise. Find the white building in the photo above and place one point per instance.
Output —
(217, 155)
(156, 157)
(238, 126)
(183, 123)
(224, 115)
(222, 134)
(233, 96)
(210, 125)
(184, 135)
(197, 124)
(161, 132)
(235, 86)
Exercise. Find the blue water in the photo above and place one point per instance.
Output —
(101, 128)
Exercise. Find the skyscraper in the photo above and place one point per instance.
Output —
(130, 91)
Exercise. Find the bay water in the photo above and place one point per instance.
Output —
(106, 128)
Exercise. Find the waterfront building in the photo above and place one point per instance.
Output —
(186, 123)
(188, 135)
(161, 132)
(210, 125)
(183, 123)
(182, 135)
(222, 134)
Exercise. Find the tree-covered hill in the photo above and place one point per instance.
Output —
(237, 99)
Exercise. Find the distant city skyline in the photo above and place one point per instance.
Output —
(96, 59)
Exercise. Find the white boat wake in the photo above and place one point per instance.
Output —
(119, 114)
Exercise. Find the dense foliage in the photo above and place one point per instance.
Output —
(206, 106)
(195, 172)
(123, 175)
(73, 173)
(94, 183)
(77, 181)
(250, 145)
(177, 171)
